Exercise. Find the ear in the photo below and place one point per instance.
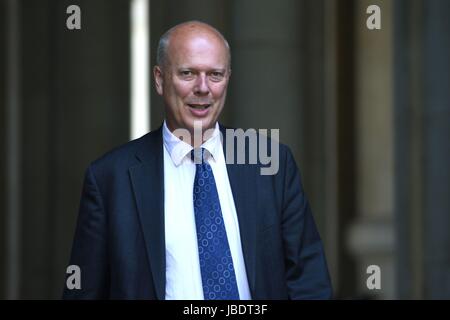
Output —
(157, 74)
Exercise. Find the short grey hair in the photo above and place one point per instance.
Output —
(163, 44)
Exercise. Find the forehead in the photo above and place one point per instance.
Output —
(199, 48)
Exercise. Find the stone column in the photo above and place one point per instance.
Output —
(265, 89)
(372, 235)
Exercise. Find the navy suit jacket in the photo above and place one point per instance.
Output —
(119, 239)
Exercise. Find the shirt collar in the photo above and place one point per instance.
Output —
(178, 149)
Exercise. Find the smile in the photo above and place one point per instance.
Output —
(199, 106)
(199, 110)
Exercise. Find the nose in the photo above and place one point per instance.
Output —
(201, 85)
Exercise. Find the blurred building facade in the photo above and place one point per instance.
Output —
(365, 112)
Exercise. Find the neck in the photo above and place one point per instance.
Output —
(195, 136)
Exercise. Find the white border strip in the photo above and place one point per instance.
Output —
(140, 57)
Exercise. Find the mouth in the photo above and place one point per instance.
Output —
(199, 110)
(199, 106)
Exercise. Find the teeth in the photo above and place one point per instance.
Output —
(199, 107)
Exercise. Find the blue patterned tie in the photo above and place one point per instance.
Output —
(216, 264)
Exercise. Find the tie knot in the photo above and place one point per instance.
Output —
(198, 155)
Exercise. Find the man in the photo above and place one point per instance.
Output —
(166, 217)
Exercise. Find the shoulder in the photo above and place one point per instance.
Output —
(127, 155)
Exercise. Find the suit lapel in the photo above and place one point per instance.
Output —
(243, 185)
(148, 185)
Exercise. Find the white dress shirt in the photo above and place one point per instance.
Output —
(183, 277)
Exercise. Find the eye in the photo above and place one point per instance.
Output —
(216, 75)
(186, 74)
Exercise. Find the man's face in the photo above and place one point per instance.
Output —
(194, 80)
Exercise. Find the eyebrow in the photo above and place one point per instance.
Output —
(194, 68)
